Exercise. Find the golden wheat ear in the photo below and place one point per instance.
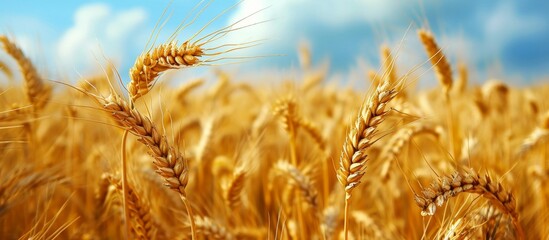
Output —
(352, 162)
(396, 143)
(389, 64)
(361, 136)
(6, 70)
(538, 135)
(469, 181)
(38, 92)
(438, 59)
(142, 222)
(300, 180)
(235, 187)
(151, 64)
(170, 55)
(463, 78)
(211, 229)
(168, 160)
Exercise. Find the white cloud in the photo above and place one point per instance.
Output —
(341, 30)
(288, 19)
(505, 24)
(99, 30)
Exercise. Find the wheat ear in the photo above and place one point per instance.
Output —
(232, 195)
(142, 226)
(444, 75)
(302, 181)
(463, 78)
(211, 229)
(310, 128)
(352, 162)
(311, 80)
(468, 180)
(496, 95)
(6, 70)
(398, 141)
(305, 57)
(184, 90)
(438, 59)
(19, 181)
(389, 64)
(286, 108)
(374, 78)
(168, 160)
(540, 133)
(37, 91)
(16, 112)
(149, 65)
(329, 221)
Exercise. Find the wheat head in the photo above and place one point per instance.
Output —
(152, 63)
(352, 162)
(37, 91)
(438, 59)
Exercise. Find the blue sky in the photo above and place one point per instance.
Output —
(497, 39)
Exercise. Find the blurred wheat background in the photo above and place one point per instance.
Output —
(207, 123)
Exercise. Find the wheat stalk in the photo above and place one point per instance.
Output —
(352, 162)
(207, 128)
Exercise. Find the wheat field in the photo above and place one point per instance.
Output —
(93, 158)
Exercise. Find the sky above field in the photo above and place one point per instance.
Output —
(496, 39)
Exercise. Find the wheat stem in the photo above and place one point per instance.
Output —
(452, 134)
(346, 216)
(125, 184)
(190, 215)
